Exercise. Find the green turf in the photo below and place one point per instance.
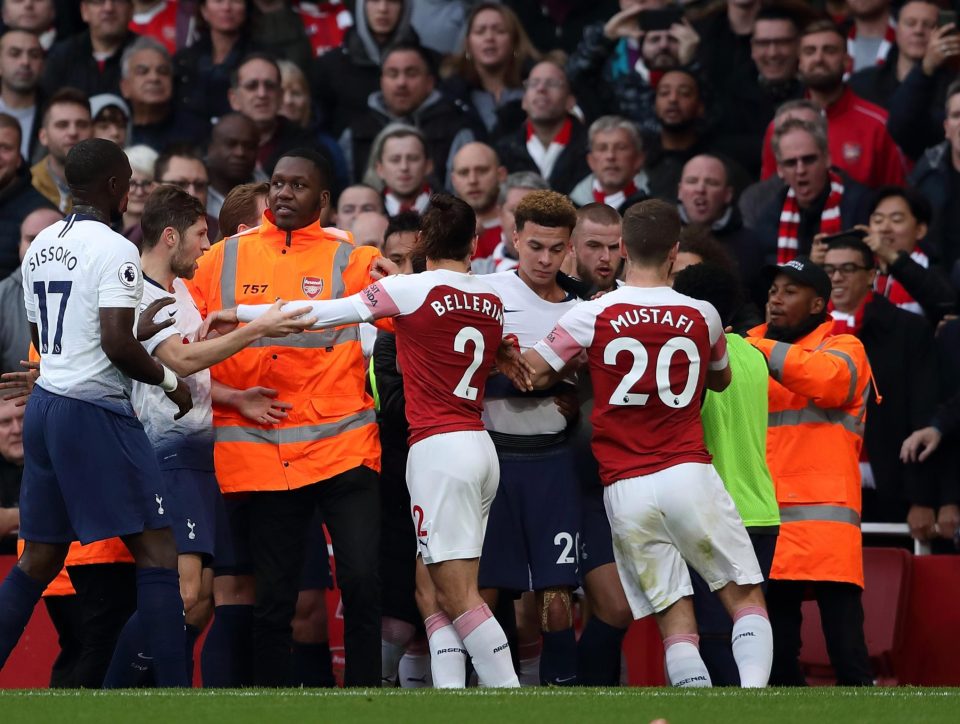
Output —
(556, 706)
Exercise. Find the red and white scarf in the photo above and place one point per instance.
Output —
(501, 260)
(395, 205)
(615, 200)
(894, 291)
(889, 38)
(546, 158)
(844, 323)
(830, 222)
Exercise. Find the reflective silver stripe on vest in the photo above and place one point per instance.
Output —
(853, 373)
(831, 513)
(228, 273)
(812, 413)
(778, 358)
(312, 340)
(340, 261)
(303, 433)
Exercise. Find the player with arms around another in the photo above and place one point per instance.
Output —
(650, 353)
(90, 472)
(449, 325)
(174, 238)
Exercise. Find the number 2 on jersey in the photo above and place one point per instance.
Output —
(41, 290)
(622, 396)
(468, 334)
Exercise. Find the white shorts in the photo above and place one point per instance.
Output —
(674, 517)
(453, 479)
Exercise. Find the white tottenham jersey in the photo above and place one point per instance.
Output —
(530, 318)
(72, 270)
(152, 406)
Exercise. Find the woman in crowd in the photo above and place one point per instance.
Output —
(142, 159)
(488, 73)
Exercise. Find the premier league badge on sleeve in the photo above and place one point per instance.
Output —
(129, 274)
(312, 286)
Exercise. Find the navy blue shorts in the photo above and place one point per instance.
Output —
(596, 541)
(233, 557)
(534, 525)
(89, 473)
(194, 497)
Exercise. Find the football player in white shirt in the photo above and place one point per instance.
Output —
(174, 238)
(530, 546)
(90, 472)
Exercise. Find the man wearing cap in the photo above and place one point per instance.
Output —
(819, 383)
(111, 118)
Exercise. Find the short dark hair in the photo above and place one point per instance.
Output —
(168, 206)
(919, 205)
(66, 97)
(713, 284)
(259, 55)
(546, 208)
(176, 150)
(849, 241)
(318, 160)
(93, 161)
(403, 222)
(598, 213)
(650, 230)
(824, 25)
(11, 123)
(689, 73)
(411, 47)
(240, 207)
(778, 12)
(447, 228)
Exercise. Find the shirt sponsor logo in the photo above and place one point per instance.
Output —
(312, 286)
(852, 152)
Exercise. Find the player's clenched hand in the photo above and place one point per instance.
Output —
(218, 322)
(277, 323)
(511, 363)
(181, 398)
(18, 385)
(148, 326)
(260, 404)
(383, 267)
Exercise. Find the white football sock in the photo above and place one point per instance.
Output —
(448, 656)
(685, 668)
(415, 670)
(487, 646)
(394, 637)
(752, 644)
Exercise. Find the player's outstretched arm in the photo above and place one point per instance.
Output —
(326, 313)
(259, 404)
(186, 359)
(540, 374)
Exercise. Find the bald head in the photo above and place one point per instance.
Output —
(368, 229)
(477, 175)
(35, 222)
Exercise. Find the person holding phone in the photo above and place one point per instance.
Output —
(616, 67)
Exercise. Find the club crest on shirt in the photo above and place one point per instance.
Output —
(852, 152)
(312, 286)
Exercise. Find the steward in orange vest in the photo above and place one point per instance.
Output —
(325, 452)
(819, 383)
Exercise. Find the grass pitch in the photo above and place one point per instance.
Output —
(532, 706)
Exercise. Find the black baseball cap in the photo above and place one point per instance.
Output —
(803, 271)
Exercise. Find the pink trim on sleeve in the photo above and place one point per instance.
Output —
(379, 302)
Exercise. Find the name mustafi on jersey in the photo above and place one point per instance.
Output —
(651, 315)
(468, 302)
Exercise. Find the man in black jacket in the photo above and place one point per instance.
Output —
(901, 351)
(90, 60)
(552, 142)
(17, 195)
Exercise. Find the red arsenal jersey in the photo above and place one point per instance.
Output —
(325, 23)
(448, 326)
(649, 350)
(159, 23)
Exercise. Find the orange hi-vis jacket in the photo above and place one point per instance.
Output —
(818, 400)
(332, 426)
